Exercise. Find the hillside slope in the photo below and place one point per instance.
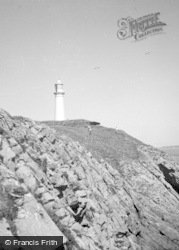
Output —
(117, 145)
(150, 173)
(52, 185)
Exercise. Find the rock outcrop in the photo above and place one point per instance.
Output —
(52, 185)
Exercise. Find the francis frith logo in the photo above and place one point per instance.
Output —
(139, 28)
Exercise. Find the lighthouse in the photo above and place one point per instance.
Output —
(59, 101)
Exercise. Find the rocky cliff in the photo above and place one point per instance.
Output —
(93, 193)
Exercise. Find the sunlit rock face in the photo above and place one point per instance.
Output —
(52, 185)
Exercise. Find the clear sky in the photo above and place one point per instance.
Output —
(124, 83)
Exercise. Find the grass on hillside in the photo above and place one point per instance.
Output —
(103, 142)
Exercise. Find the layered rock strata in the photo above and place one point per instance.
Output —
(51, 185)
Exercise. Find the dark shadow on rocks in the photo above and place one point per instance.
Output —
(169, 177)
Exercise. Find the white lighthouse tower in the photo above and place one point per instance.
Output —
(59, 102)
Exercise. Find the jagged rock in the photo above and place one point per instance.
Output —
(80, 193)
(20, 201)
(12, 142)
(25, 173)
(32, 220)
(130, 202)
(61, 213)
(47, 197)
(6, 122)
(6, 152)
(39, 191)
